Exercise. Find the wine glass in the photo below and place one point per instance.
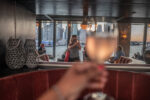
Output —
(100, 47)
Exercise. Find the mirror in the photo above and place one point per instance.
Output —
(131, 44)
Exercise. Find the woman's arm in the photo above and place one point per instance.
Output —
(74, 45)
(79, 45)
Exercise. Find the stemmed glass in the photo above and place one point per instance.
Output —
(100, 47)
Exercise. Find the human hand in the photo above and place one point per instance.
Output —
(69, 48)
(79, 77)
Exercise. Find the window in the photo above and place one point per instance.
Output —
(47, 36)
(148, 36)
(136, 43)
(61, 39)
(36, 36)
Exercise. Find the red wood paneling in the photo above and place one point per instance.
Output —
(141, 87)
(40, 83)
(55, 75)
(111, 85)
(29, 86)
(124, 88)
(24, 86)
(8, 89)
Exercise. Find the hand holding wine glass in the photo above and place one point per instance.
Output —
(77, 78)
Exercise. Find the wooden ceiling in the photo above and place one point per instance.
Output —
(124, 10)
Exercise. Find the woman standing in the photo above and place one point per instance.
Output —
(74, 47)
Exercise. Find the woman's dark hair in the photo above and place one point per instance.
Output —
(74, 35)
(120, 48)
(71, 39)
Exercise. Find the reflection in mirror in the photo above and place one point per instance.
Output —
(69, 36)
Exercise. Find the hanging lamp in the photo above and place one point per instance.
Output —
(84, 24)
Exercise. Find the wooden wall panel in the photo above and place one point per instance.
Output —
(111, 86)
(124, 28)
(125, 85)
(141, 87)
(26, 22)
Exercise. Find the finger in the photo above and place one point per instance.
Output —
(89, 70)
(81, 67)
(101, 78)
(101, 67)
(92, 73)
(100, 73)
(73, 97)
(96, 86)
(99, 81)
(105, 73)
(89, 66)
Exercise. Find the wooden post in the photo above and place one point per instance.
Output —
(39, 33)
(69, 32)
(54, 39)
(124, 28)
(144, 38)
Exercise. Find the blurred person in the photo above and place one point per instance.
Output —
(76, 79)
(118, 54)
(42, 49)
(137, 56)
(42, 53)
(85, 55)
(74, 47)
